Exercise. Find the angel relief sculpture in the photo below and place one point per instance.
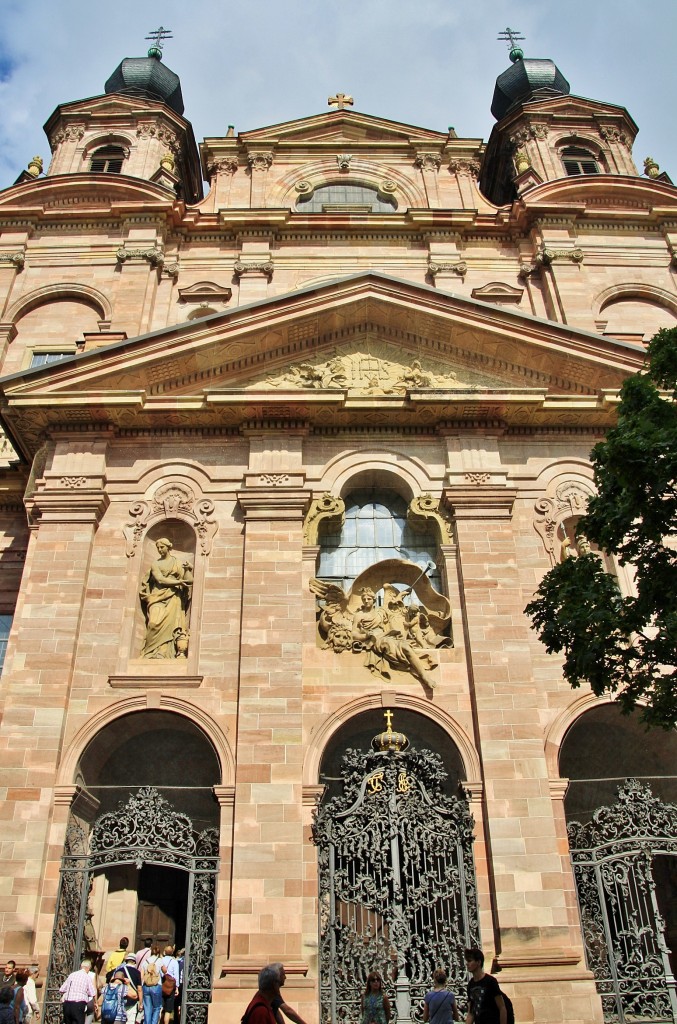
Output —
(401, 633)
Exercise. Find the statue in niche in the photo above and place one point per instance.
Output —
(395, 635)
(165, 598)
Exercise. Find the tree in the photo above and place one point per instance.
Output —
(626, 645)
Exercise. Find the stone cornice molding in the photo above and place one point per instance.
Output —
(279, 503)
(68, 504)
(483, 502)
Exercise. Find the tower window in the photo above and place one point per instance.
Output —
(108, 159)
(579, 161)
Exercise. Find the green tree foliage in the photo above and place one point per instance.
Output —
(626, 645)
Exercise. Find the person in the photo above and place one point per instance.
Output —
(22, 1009)
(116, 957)
(169, 970)
(386, 643)
(151, 980)
(278, 1004)
(6, 1008)
(143, 953)
(8, 975)
(375, 1003)
(165, 596)
(113, 998)
(440, 1004)
(134, 997)
(260, 1009)
(30, 991)
(77, 990)
(486, 1004)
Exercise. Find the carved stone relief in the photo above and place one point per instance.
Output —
(569, 500)
(399, 635)
(325, 509)
(371, 372)
(171, 500)
(165, 595)
(425, 509)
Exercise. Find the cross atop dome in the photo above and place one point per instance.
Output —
(158, 37)
(512, 37)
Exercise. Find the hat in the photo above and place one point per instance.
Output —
(130, 956)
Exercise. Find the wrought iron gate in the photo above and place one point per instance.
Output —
(145, 830)
(396, 878)
(613, 857)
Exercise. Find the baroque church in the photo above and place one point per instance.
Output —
(284, 458)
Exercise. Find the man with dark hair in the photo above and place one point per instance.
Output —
(8, 976)
(486, 1004)
(260, 1009)
(117, 956)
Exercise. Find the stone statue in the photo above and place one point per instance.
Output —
(165, 597)
(393, 636)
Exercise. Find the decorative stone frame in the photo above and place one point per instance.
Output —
(566, 497)
(597, 151)
(388, 181)
(100, 141)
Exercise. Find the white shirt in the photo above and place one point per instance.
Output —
(172, 965)
(30, 994)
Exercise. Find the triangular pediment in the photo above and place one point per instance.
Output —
(341, 126)
(363, 349)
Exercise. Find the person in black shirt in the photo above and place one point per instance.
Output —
(485, 1002)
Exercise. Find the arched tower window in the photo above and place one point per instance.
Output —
(108, 159)
(375, 528)
(578, 160)
(348, 197)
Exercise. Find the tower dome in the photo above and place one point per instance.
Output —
(529, 78)
(148, 77)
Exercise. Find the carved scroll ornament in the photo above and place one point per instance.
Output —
(171, 501)
(425, 509)
(570, 499)
(326, 509)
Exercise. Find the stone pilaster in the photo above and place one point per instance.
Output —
(268, 833)
(139, 262)
(65, 508)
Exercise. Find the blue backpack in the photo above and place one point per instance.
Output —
(112, 1000)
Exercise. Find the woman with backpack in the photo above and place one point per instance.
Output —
(151, 978)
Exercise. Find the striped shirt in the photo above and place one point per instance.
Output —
(78, 987)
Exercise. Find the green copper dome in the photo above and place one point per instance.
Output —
(147, 77)
(529, 78)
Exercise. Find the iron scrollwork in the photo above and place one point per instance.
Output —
(612, 857)
(145, 829)
(397, 882)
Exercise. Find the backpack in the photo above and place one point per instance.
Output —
(111, 1003)
(508, 1008)
(151, 974)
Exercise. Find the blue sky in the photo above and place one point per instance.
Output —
(431, 63)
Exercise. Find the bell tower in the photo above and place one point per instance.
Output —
(136, 128)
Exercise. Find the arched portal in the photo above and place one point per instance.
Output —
(396, 870)
(141, 851)
(623, 844)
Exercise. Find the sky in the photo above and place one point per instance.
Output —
(431, 63)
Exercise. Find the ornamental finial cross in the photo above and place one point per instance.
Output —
(159, 35)
(340, 100)
(388, 715)
(510, 36)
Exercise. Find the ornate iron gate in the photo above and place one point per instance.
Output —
(397, 880)
(612, 857)
(145, 830)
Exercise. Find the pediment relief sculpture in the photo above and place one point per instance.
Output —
(375, 370)
(401, 634)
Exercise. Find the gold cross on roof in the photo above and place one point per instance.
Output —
(388, 715)
(340, 100)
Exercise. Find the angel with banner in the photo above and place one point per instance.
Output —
(392, 636)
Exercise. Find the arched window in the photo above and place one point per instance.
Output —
(108, 159)
(375, 528)
(346, 198)
(577, 160)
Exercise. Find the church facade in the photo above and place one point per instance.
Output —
(283, 464)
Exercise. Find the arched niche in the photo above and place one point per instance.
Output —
(636, 317)
(603, 747)
(155, 623)
(52, 329)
